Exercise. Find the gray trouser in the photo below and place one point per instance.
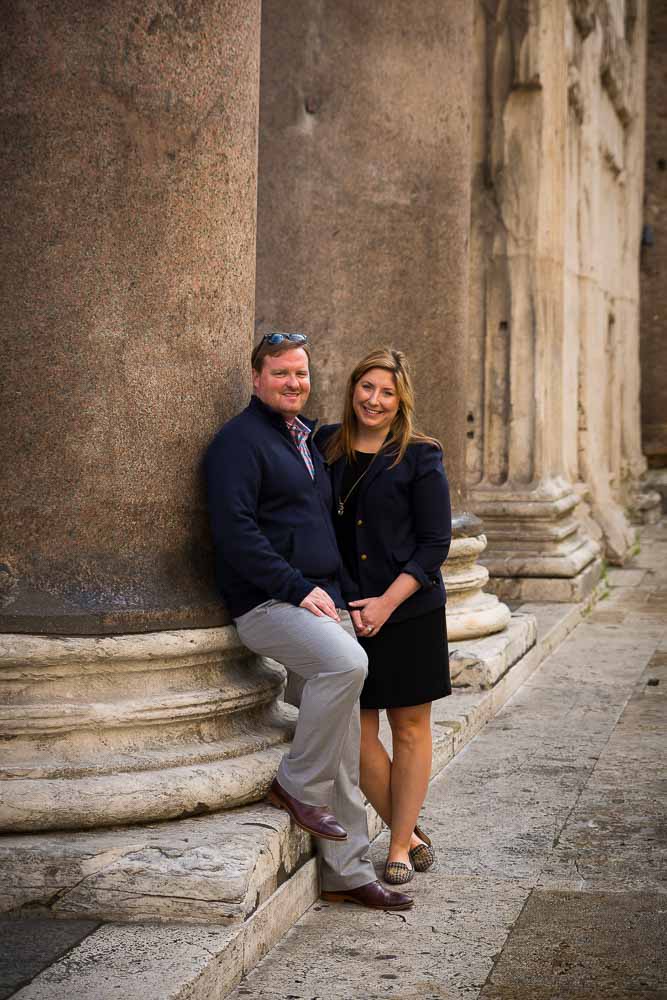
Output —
(326, 671)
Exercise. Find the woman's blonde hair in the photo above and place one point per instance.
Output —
(402, 431)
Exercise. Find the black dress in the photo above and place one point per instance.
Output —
(408, 661)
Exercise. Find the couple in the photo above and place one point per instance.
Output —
(308, 525)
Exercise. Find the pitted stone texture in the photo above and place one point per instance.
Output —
(363, 223)
(129, 180)
(576, 946)
(215, 868)
(30, 944)
(421, 953)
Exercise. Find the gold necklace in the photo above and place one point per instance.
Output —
(340, 506)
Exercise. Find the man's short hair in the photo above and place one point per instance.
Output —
(263, 350)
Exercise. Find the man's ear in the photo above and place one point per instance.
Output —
(255, 378)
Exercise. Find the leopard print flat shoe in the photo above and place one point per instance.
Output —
(396, 873)
(422, 856)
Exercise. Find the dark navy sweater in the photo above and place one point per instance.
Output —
(271, 521)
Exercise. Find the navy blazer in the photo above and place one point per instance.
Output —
(271, 521)
(404, 525)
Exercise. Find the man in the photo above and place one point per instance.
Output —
(278, 570)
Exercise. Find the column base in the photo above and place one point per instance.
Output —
(471, 613)
(126, 729)
(556, 590)
(537, 548)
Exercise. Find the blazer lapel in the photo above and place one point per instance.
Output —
(379, 464)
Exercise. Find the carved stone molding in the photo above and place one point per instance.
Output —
(123, 729)
(537, 549)
(471, 613)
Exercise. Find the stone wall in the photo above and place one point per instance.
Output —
(553, 380)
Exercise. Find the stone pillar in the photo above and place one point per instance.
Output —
(654, 258)
(129, 183)
(520, 372)
(364, 198)
(606, 140)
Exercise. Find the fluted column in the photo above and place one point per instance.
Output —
(128, 262)
(521, 373)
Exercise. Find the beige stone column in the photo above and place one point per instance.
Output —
(520, 371)
(128, 256)
(364, 212)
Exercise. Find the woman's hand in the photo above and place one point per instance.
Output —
(357, 622)
(374, 613)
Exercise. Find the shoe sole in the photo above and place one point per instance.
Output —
(342, 897)
(278, 803)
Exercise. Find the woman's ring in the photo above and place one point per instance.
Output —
(369, 628)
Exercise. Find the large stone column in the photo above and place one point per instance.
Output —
(128, 257)
(521, 374)
(364, 207)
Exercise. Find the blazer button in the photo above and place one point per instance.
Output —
(359, 523)
(363, 556)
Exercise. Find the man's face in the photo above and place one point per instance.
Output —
(284, 382)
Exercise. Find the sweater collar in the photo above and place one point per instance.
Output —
(274, 417)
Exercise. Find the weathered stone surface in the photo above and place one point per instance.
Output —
(363, 223)
(577, 945)
(100, 731)
(570, 590)
(553, 378)
(422, 953)
(30, 944)
(210, 868)
(470, 612)
(129, 183)
(482, 662)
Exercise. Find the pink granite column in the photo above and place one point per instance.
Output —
(128, 183)
(128, 256)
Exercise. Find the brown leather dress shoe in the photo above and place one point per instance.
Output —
(373, 894)
(313, 819)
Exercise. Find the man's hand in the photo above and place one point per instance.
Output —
(319, 603)
(374, 613)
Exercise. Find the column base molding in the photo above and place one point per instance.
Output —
(535, 535)
(556, 590)
(126, 729)
(471, 613)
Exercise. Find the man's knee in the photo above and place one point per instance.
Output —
(351, 665)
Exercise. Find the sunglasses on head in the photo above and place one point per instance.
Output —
(278, 338)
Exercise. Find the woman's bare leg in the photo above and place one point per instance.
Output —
(375, 765)
(410, 773)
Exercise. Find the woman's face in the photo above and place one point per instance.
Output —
(375, 400)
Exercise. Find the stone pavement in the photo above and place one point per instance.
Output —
(551, 879)
(548, 883)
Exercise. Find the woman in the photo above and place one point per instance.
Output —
(393, 523)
